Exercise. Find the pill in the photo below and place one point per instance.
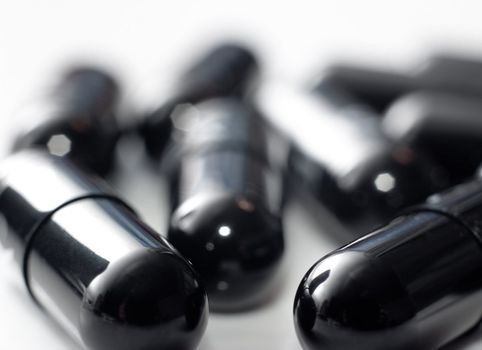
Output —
(226, 204)
(77, 119)
(412, 284)
(88, 260)
(228, 69)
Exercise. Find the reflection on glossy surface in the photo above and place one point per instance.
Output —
(78, 122)
(413, 284)
(237, 252)
(226, 203)
(385, 182)
(152, 300)
(341, 157)
(226, 70)
(106, 277)
(373, 193)
(59, 145)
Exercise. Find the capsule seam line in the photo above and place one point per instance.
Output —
(446, 214)
(32, 234)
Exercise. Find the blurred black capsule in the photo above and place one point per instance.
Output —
(226, 70)
(226, 203)
(340, 156)
(415, 283)
(445, 127)
(77, 120)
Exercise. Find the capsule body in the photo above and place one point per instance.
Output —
(340, 156)
(87, 259)
(77, 120)
(226, 70)
(226, 203)
(413, 284)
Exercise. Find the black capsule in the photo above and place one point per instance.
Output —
(379, 88)
(226, 202)
(87, 259)
(443, 126)
(77, 119)
(226, 70)
(375, 194)
(415, 283)
(341, 157)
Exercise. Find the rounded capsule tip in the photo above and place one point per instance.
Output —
(235, 245)
(147, 300)
(348, 300)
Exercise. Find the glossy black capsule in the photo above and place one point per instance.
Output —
(77, 119)
(394, 181)
(446, 127)
(379, 88)
(88, 260)
(340, 156)
(226, 200)
(226, 70)
(415, 283)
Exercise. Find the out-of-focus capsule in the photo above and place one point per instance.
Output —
(413, 284)
(77, 119)
(443, 126)
(226, 203)
(378, 88)
(375, 88)
(340, 156)
(87, 259)
(226, 70)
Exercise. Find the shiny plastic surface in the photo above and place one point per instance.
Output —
(77, 120)
(393, 182)
(226, 202)
(341, 157)
(413, 284)
(107, 278)
(226, 70)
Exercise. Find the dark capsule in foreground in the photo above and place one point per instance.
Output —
(87, 259)
(77, 120)
(415, 283)
(226, 204)
(226, 70)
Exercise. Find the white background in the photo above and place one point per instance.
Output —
(148, 42)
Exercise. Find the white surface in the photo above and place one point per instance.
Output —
(147, 42)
